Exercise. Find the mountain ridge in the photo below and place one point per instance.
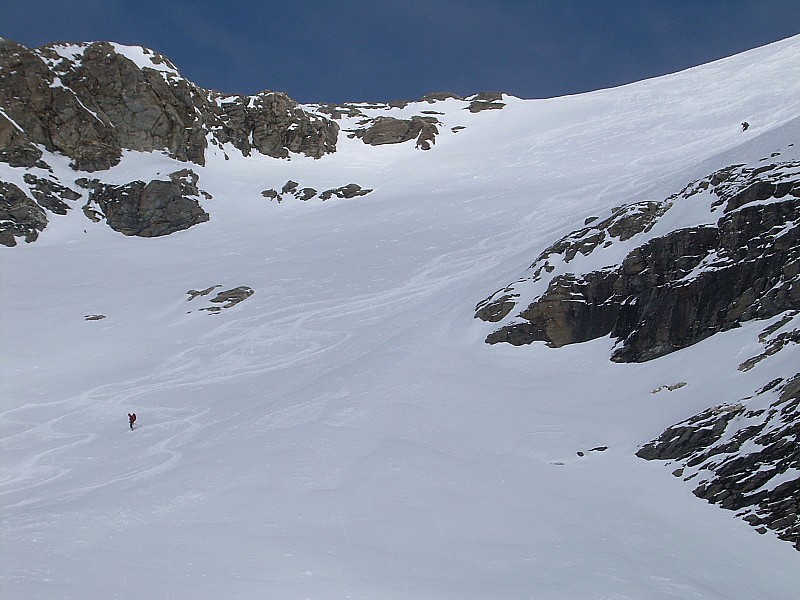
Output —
(320, 415)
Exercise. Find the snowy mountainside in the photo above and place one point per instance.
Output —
(657, 287)
(319, 414)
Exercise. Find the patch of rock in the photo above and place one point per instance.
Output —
(673, 290)
(293, 189)
(224, 299)
(485, 101)
(150, 209)
(20, 216)
(389, 130)
(744, 457)
(92, 102)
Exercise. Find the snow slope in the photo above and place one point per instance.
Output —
(345, 432)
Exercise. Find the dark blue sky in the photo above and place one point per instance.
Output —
(338, 50)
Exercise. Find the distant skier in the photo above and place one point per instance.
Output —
(131, 419)
(745, 125)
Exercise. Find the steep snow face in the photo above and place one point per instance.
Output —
(341, 430)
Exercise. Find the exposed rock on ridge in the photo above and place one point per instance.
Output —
(671, 290)
(91, 101)
(388, 130)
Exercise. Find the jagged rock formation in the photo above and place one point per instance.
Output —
(375, 129)
(670, 290)
(24, 215)
(50, 194)
(273, 124)
(744, 456)
(16, 148)
(147, 209)
(19, 215)
(91, 101)
(36, 102)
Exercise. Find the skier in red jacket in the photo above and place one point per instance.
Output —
(131, 419)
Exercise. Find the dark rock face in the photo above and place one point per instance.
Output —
(149, 209)
(664, 292)
(351, 190)
(677, 289)
(19, 216)
(15, 147)
(23, 213)
(90, 101)
(51, 114)
(273, 124)
(388, 130)
(147, 110)
(744, 457)
(50, 194)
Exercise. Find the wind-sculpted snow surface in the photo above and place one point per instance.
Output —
(338, 428)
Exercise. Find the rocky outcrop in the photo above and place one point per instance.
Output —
(388, 130)
(486, 101)
(24, 210)
(273, 124)
(16, 148)
(91, 101)
(50, 194)
(148, 209)
(50, 114)
(19, 216)
(743, 456)
(672, 290)
(150, 108)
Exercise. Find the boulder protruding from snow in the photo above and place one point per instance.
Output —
(148, 209)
